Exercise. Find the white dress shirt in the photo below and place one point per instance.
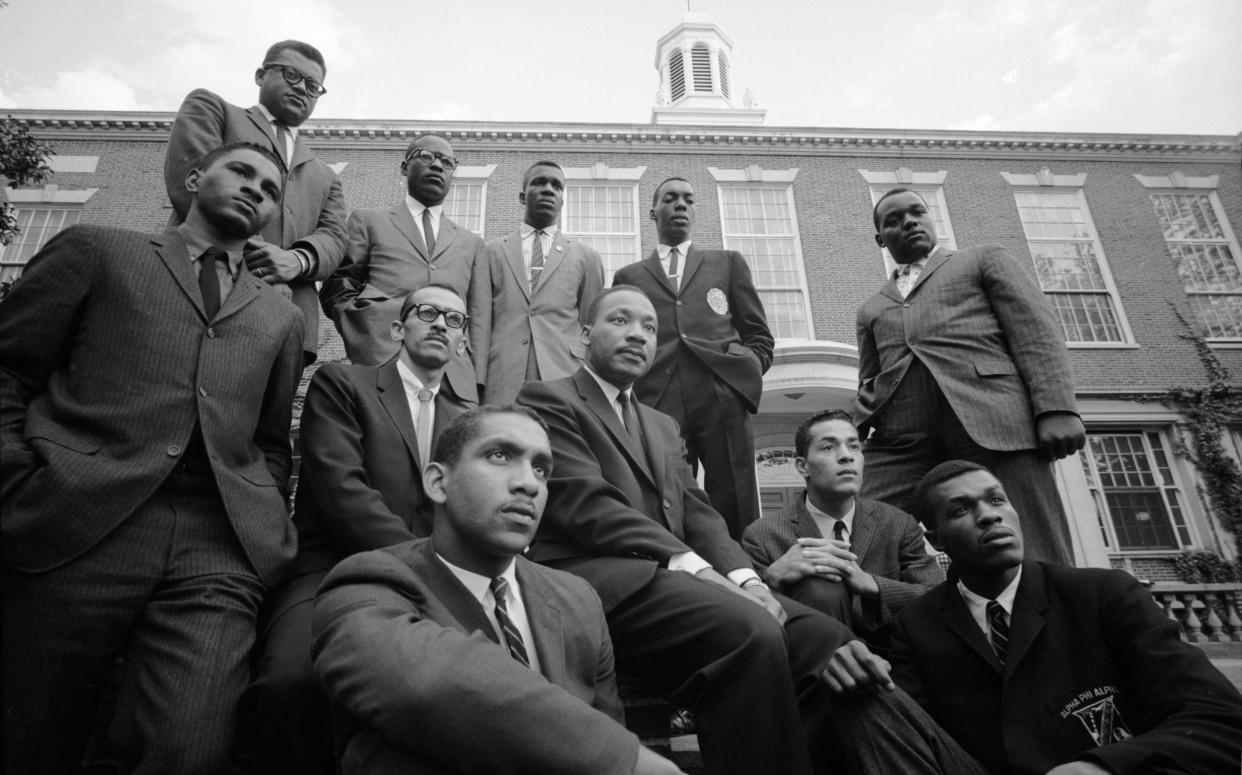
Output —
(825, 521)
(290, 141)
(978, 605)
(664, 251)
(412, 385)
(416, 209)
(481, 587)
(528, 243)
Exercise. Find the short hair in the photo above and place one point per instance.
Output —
(802, 436)
(305, 49)
(415, 144)
(544, 163)
(593, 309)
(950, 469)
(875, 211)
(407, 303)
(210, 158)
(655, 195)
(465, 428)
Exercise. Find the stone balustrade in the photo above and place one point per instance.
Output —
(1206, 613)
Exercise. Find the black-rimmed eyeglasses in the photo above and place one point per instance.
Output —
(429, 312)
(293, 77)
(428, 157)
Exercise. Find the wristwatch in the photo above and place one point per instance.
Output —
(752, 581)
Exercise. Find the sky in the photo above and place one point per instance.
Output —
(1130, 66)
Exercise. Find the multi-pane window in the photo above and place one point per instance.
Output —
(466, 203)
(1135, 492)
(1206, 256)
(604, 215)
(38, 225)
(1070, 266)
(936, 207)
(758, 221)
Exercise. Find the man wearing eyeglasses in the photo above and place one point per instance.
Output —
(367, 433)
(396, 251)
(305, 241)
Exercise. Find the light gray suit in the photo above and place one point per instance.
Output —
(513, 324)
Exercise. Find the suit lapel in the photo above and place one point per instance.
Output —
(545, 623)
(172, 251)
(598, 403)
(453, 595)
(553, 259)
(652, 264)
(517, 264)
(863, 533)
(404, 221)
(264, 126)
(933, 264)
(1028, 617)
(957, 618)
(803, 523)
(392, 398)
(246, 288)
(301, 154)
(449, 232)
(693, 259)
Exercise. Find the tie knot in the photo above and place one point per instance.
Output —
(211, 254)
(995, 610)
(838, 530)
(623, 399)
(425, 395)
(500, 589)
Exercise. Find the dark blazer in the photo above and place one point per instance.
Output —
(888, 542)
(312, 212)
(509, 322)
(107, 363)
(717, 317)
(614, 513)
(408, 653)
(361, 485)
(386, 260)
(984, 330)
(1087, 647)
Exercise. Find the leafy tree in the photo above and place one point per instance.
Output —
(23, 160)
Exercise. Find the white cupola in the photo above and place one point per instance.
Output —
(696, 87)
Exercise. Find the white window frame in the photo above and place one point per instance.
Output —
(1044, 182)
(1177, 184)
(616, 177)
(779, 180)
(929, 185)
(1174, 493)
(470, 176)
(49, 197)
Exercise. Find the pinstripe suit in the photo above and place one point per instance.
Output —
(108, 364)
(888, 542)
(961, 368)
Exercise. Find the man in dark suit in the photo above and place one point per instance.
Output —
(960, 356)
(1037, 668)
(390, 255)
(146, 390)
(855, 559)
(364, 445)
(685, 609)
(305, 240)
(455, 654)
(713, 349)
(531, 294)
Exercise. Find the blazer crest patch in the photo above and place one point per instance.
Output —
(1097, 710)
(717, 300)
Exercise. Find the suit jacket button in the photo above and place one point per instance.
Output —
(679, 302)
(433, 267)
(906, 305)
(667, 505)
(202, 392)
(173, 450)
(525, 341)
(211, 333)
(685, 336)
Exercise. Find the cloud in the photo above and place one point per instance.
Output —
(978, 123)
(1010, 78)
(87, 89)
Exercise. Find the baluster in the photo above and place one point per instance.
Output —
(1165, 600)
(1212, 624)
(1232, 621)
(1194, 628)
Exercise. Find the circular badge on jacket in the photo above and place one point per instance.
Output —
(717, 300)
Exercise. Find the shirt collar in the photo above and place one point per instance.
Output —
(664, 250)
(416, 208)
(611, 391)
(293, 131)
(921, 263)
(412, 383)
(848, 519)
(1005, 598)
(479, 585)
(525, 230)
(196, 243)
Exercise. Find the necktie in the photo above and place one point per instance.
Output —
(513, 638)
(208, 282)
(999, 624)
(536, 258)
(907, 276)
(627, 415)
(422, 430)
(283, 136)
(838, 530)
(429, 234)
(672, 269)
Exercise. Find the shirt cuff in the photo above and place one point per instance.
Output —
(688, 561)
(741, 575)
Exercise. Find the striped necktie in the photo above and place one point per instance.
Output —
(998, 621)
(673, 269)
(536, 258)
(208, 281)
(513, 638)
(422, 430)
